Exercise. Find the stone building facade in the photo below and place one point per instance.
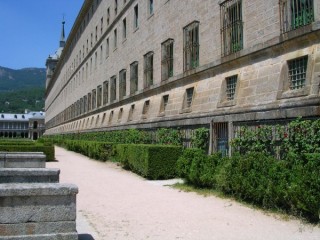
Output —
(149, 64)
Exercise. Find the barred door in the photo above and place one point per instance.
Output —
(220, 138)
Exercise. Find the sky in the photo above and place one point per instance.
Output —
(30, 30)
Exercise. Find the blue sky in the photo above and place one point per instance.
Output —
(30, 30)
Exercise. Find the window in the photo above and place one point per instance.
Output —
(136, 17)
(99, 95)
(130, 117)
(94, 98)
(295, 14)
(133, 77)
(110, 117)
(115, 7)
(191, 46)
(91, 40)
(231, 87)
(96, 35)
(124, 29)
(122, 84)
(105, 92)
(101, 26)
(189, 97)
(95, 60)
(146, 107)
(101, 53)
(148, 69)
(108, 16)
(85, 103)
(150, 7)
(231, 26)
(107, 47)
(115, 39)
(167, 59)
(164, 103)
(297, 72)
(120, 114)
(89, 101)
(113, 90)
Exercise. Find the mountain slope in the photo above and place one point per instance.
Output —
(11, 79)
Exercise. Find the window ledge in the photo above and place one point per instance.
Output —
(186, 110)
(293, 93)
(161, 114)
(226, 103)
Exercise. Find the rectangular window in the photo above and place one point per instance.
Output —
(295, 14)
(108, 16)
(101, 53)
(124, 29)
(94, 98)
(231, 87)
(136, 17)
(110, 117)
(85, 104)
(115, 7)
(107, 47)
(167, 59)
(189, 97)
(115, 39)
(89, 101)
(297, 72)
(95, 60)
(96, 35)
(148, 69)
(146, 107)
(150, 7)
(122, 84)
(130, 117)
(191, 46)
(133, 77)
(164, 103)
(231, 26)
(113, 89)
(101, 26)
(105, 92)
(99, 95)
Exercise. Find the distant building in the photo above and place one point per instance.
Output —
(29, 125)
(219, 64)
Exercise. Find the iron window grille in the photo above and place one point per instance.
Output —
(295, 14)
(113, 90)
(191, 46)
(122, 83)
(297, 72)
(148, 69)
(167, 59)
(231, 87)
(133, 77)
(105, 92)
(231, 26)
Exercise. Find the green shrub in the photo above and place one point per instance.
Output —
(169, 136)
(150, 161)
(200, 139)
(47, 150)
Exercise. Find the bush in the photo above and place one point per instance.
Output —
(200, 139)
(150, 161)
(169, 136)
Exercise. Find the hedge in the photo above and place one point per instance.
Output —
(48, 150)
(150, 161)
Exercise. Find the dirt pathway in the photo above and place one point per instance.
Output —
(120, 205)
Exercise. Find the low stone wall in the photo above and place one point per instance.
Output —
(38, 211)
(22, 160)
(29, 175)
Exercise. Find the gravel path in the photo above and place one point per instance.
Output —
(116, 204)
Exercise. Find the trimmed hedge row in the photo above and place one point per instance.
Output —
(97, 150)
(48, 150)
(293, 186)
(150, 161)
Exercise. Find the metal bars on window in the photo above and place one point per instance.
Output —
(231, 26)
(148, 69)
(297, 72)
(167, 59)
(191, 46)
(295, 14)
(220, 138)
(231, 87)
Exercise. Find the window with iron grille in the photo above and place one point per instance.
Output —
(191, 46)
(131, 113)
(231, 26)
(122, 83)
(99, 95)
(133, 77)
(164, 103)
(189, 97)
(297, 72)
(113, 88)
(146, 107)
(94, 98)
(167, 59)
(148, 69)
(231, 87)
(295, 14)
(105, 92)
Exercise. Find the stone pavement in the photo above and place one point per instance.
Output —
(118, 205)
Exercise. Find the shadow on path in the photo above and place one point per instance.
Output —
(85, 237)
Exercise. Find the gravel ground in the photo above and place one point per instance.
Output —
(116, 204)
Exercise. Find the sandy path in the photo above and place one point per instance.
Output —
(121, 205)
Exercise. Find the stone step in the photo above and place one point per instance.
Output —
(29, 175)
(22, 160)
(38, 211)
